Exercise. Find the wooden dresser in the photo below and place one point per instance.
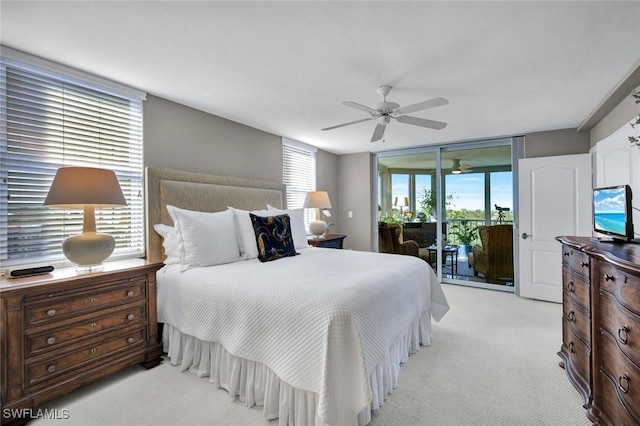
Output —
(601, 327)
(63, 330)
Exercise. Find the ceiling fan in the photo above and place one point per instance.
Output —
(457, 168)
(384, 111)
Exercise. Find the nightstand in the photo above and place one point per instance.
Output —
(63, 330)
(330, 241)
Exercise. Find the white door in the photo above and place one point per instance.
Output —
(554, 199)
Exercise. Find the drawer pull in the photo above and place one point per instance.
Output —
(623, 383)
(93, 350)
(51, 312)
(570, 287)
(92, 300)
(570, 347)
(130, 317)
(131, 340)
(130, 293)
(51, 340)
(623, 334)
(583, 263)
(94, 325)
(608, 277)
(571, 316)
(51, 368)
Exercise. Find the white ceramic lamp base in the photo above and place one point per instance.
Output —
(317, 227)
(89, 249)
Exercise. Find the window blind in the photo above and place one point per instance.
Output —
(299, 174)
(49, 120)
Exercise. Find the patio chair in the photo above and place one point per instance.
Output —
(493, 258)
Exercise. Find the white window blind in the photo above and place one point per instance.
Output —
(298, 174)
(49, 120)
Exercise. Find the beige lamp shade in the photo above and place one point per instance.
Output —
(75, 187)
(402, 201)
(86, 188)
(317, 200)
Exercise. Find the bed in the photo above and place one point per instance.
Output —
(315, 339)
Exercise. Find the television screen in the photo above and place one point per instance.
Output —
(612, 211)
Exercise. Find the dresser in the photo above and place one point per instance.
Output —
(63, 330)
(601, 327)
(330, 241)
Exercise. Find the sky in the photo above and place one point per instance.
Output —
(467, 189)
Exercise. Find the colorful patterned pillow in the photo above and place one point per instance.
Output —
(273, 237)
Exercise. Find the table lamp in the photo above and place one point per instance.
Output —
(402, 202)
(86, 188)
(317, 200)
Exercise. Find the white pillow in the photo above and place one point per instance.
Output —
(245, 233)
(205, 239)
(169, 242)
(298, 231)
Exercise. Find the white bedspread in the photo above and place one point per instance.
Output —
(321, 320)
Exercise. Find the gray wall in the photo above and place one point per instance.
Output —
(327, 180)
(354, 180)
(182, 138)
(620, 116)
(556, 142)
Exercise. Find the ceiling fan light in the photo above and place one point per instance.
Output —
(456, 171)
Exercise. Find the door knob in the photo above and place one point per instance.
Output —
(525, 235)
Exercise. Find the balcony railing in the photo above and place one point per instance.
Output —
(472, 223)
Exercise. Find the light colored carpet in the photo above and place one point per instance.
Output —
(493, 362)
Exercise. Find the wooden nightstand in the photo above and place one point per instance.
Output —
(330, 241)
(63, 330)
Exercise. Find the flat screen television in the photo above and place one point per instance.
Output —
(612, 212)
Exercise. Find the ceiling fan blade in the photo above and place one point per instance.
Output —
(431, 103)
(360, 107)
(422, 122)
(378, 132)
(347, 124)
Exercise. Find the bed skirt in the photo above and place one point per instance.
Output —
(257, 385)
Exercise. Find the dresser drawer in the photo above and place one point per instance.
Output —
(626, 288)
(611, 408)
(576, 260)
(57, 306)
(579, 353)
(59, 336)
(578, 319)
(622, 324)
(51, 368)
(577, 287)
(622, 373)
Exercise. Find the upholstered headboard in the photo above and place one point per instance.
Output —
(201, 192)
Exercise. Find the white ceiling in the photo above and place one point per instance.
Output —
(284, 67)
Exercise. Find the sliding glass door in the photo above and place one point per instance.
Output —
(449, 199)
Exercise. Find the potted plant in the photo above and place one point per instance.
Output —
(635, 140)
(428, 202)
(465, 233)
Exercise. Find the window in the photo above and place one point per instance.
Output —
(299, 174)
(50, 117)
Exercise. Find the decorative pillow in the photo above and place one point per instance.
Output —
(298, 230)
(273, 237)
(244, 231)
(169, 242)
(205, 239)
